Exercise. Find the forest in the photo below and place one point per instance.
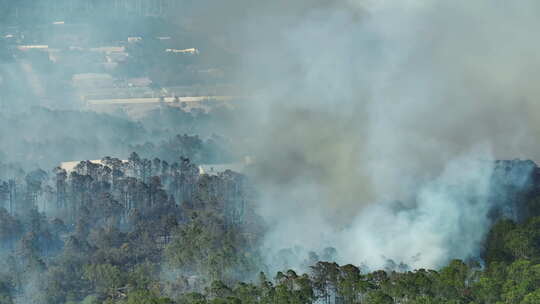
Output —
(62, 234)
(148, 231)
(389, 152)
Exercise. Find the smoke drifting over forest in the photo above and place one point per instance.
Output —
(373, 125)
(363, 103)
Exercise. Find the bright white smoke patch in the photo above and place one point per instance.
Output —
(447, 220)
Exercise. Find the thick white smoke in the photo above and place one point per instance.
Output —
(448, 219)
(372, 122)
(362, 103)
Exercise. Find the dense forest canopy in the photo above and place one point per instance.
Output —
(274, 152)
(146, 231)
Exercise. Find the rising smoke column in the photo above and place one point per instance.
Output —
(363, 103)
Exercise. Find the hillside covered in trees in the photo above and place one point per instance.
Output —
(146, 231)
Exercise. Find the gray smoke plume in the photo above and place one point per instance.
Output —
(371, 123)
(360, 103)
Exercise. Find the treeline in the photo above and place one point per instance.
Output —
(214, 149)
(511, 275)
(103, 229)
(507, 277)
(148, 231)
(136, 184)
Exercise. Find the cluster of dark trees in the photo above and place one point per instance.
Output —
(101, 230)
(510, 274)
(214, 149)
(133, 184)
(148, 231)
(508, 270)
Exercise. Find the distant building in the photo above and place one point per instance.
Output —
(116, 56)
(139, 82)
(214, 169)
(32, 47)
(109, 49)
(190, 51)
(134, 39)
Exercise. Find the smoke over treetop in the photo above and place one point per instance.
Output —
(354, 104)
(366, 104)
(369, 132)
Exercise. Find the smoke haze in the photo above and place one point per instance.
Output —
(372, 123)
(362, 103)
